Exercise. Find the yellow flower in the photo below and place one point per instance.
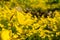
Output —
(15, 36)
(57, 33)
(28, 22)
(42, 34)
(20, 17)
(1, 25)
(7, 9)
(19, 29)
(5, 34)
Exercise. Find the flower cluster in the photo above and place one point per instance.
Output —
(16, 25)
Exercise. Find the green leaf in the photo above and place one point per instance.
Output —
(13, 29)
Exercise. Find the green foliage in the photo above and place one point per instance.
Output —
(13, 29)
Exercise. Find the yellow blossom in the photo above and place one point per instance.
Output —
(5, 34)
